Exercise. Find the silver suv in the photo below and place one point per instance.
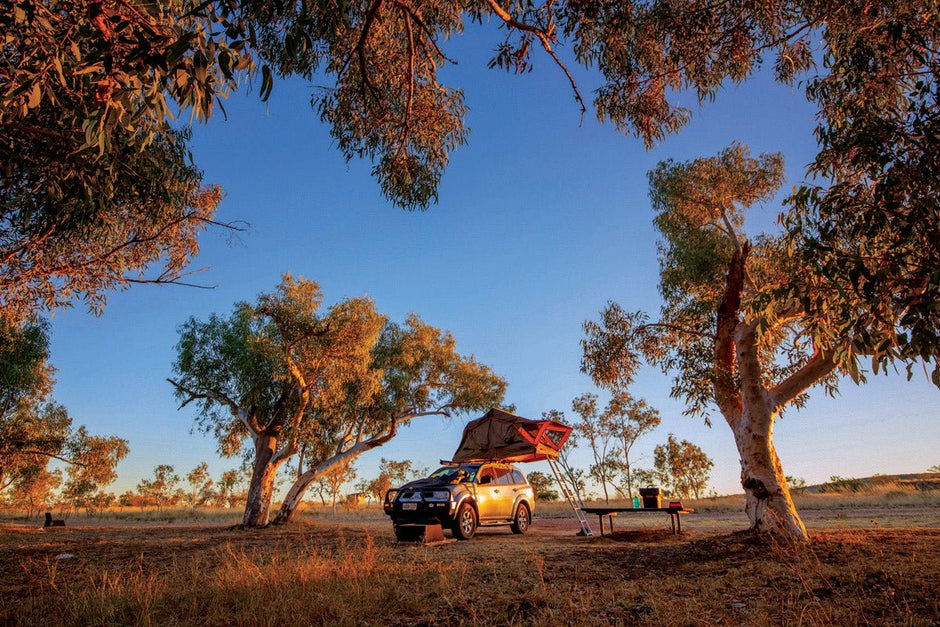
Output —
(463, 497)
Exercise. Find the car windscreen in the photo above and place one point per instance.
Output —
(449, 473)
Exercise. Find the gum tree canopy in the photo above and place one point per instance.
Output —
(95, 80)
(335, 383)
(95, 187)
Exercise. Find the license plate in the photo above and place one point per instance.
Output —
(409, 506)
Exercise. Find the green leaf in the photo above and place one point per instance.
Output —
(267, 82)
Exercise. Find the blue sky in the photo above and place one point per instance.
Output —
(540, 222)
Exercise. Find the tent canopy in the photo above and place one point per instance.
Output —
(499, 435)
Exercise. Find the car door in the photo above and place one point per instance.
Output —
(488, 493)
(506, 495)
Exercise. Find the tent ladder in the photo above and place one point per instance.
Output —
(572, 497)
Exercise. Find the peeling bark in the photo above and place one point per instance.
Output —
(727, 396)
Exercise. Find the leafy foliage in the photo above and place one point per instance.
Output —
(34, 429)
(683, 466)
(95, 187)
(89, 89)
(870, 234)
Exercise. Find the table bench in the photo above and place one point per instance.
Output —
(610, 512)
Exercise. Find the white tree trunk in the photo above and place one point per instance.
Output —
(769, 506)
(261, 488)
(294, 496)
(296, 493)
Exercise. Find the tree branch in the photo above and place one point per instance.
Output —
(367, 86)
(52, 456)
(546, 40)
(673, 327)
(818, 366)
(237, 412)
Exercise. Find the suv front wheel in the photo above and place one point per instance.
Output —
(465, 524)
(520, 523)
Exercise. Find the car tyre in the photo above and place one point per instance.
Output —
(520, 523)
(465, 524)
(401, 535)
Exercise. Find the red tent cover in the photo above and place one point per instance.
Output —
(499, 435)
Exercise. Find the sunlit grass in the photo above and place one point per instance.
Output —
(325, 574)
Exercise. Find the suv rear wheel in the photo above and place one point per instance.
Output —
(465, 524)
(520, 523)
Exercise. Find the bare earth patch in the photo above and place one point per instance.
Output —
(319, 573)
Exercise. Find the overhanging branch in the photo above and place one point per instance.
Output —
(546, 40)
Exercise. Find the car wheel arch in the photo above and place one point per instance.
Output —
(473, 504)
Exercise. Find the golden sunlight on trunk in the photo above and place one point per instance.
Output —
(769, 506)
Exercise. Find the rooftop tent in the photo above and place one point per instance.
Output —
(499, 435)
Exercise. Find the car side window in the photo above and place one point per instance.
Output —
(503, 476)
(517, 477)
(486, 476)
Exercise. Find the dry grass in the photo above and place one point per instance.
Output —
(352, 573)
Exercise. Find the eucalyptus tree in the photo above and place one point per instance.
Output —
(33, 428)
(34, 490)
(599, 429)
(338, 383)
(631, 418)
(684, 465)
(731, 344)
(200, 485)
(414, 370)
(162, 490)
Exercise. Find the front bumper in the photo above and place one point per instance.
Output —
(420, 512)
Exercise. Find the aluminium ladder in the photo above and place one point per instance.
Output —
(572, 497)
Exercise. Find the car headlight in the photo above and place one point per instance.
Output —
(437, 495)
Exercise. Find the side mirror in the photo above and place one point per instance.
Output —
(486, 479)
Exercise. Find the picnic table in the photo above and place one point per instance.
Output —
(610, 512)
